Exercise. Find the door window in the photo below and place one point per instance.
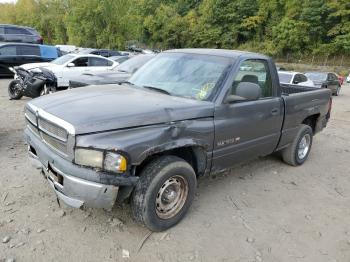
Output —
(16, 31)
(81, 62)
(257, 72)
(303, 78)
(95, 61)
(331, 77)
(299, 78)
(28, 50)
(9, 50)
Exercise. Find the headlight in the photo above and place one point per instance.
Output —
(115, 162)
(110, 161)
(87, 157)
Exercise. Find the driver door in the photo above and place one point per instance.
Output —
(247, 129)
(80, 66)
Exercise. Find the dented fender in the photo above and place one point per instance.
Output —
(140, 142)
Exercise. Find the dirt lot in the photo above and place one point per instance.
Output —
(263, 211)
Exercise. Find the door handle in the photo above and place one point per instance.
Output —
(275, 111)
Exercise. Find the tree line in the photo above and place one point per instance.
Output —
(273, 27)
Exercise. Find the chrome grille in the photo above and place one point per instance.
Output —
(30, 116)
(53, 130)
(55, 143)
(33, 128)
(55, 136)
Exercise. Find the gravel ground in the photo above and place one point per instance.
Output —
(263, 211)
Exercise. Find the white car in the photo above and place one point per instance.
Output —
(295, 78)
(348, 79)
(73, 65)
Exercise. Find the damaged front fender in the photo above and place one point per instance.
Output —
(141, 142)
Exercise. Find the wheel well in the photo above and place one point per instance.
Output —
(311, 121)
(193, 155)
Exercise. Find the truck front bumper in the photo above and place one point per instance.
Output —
(76, 192)
(76, 186)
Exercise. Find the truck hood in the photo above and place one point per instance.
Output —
(111, 107)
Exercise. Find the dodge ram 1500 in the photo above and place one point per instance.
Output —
(185, 114)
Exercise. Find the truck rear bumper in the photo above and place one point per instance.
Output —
(76, 192)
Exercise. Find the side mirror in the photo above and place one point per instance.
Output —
(70, 65)
(245, 91)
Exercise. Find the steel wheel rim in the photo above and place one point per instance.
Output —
(304, 146)
(171, 197)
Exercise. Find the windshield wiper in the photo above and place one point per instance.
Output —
(158, 89)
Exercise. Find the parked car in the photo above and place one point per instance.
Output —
(120, 73)
(101, 52)
(348, 79)
(16, 54)
(185, 114)
(325, 80)
(294, 78)
(16, 33)
(74, 65)
(119, 59)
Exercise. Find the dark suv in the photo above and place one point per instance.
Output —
(15, 54)
(24, 34)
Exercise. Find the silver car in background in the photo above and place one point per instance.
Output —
(294, 78)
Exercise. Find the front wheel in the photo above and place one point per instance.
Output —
(164, 193)
(15, 90)
(297, 153)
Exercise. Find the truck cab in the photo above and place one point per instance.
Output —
(185, 114)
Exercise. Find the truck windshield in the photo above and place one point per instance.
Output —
(192, 76)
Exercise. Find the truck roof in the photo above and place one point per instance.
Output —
(218, 52)
(18, 26)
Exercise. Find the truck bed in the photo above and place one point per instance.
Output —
(288, 89)
(301, 102)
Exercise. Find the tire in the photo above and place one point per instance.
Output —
(293, 155)
(14, 93)
(152, 194)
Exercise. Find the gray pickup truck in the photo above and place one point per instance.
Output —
(185, 114)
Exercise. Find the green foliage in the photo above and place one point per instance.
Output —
(290, 35)
(274, 27)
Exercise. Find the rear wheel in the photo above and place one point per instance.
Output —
(15, 90)
(164, 193)
(297, 153)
